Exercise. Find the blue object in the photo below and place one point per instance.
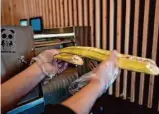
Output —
(23, 22)
(36, 24)
(23, 108)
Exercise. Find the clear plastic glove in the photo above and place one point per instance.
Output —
(49, 66)
(105, 74)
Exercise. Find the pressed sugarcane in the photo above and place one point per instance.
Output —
(127, 62)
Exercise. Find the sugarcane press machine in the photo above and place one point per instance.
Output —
(20, 44)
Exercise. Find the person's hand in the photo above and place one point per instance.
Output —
(106, 73)
(48, 64)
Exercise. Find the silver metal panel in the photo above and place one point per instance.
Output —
(23, 45)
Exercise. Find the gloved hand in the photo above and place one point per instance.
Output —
(49, 66)
(106, 73)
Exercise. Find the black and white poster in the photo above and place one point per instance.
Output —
(8, 41)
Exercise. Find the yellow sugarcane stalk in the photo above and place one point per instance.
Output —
(74, 59)
(126, 62)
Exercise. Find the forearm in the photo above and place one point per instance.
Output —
(83, 100)
(18, 86)
(104, 75)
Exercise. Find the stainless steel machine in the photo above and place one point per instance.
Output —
(19, 45)
(17, 48)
